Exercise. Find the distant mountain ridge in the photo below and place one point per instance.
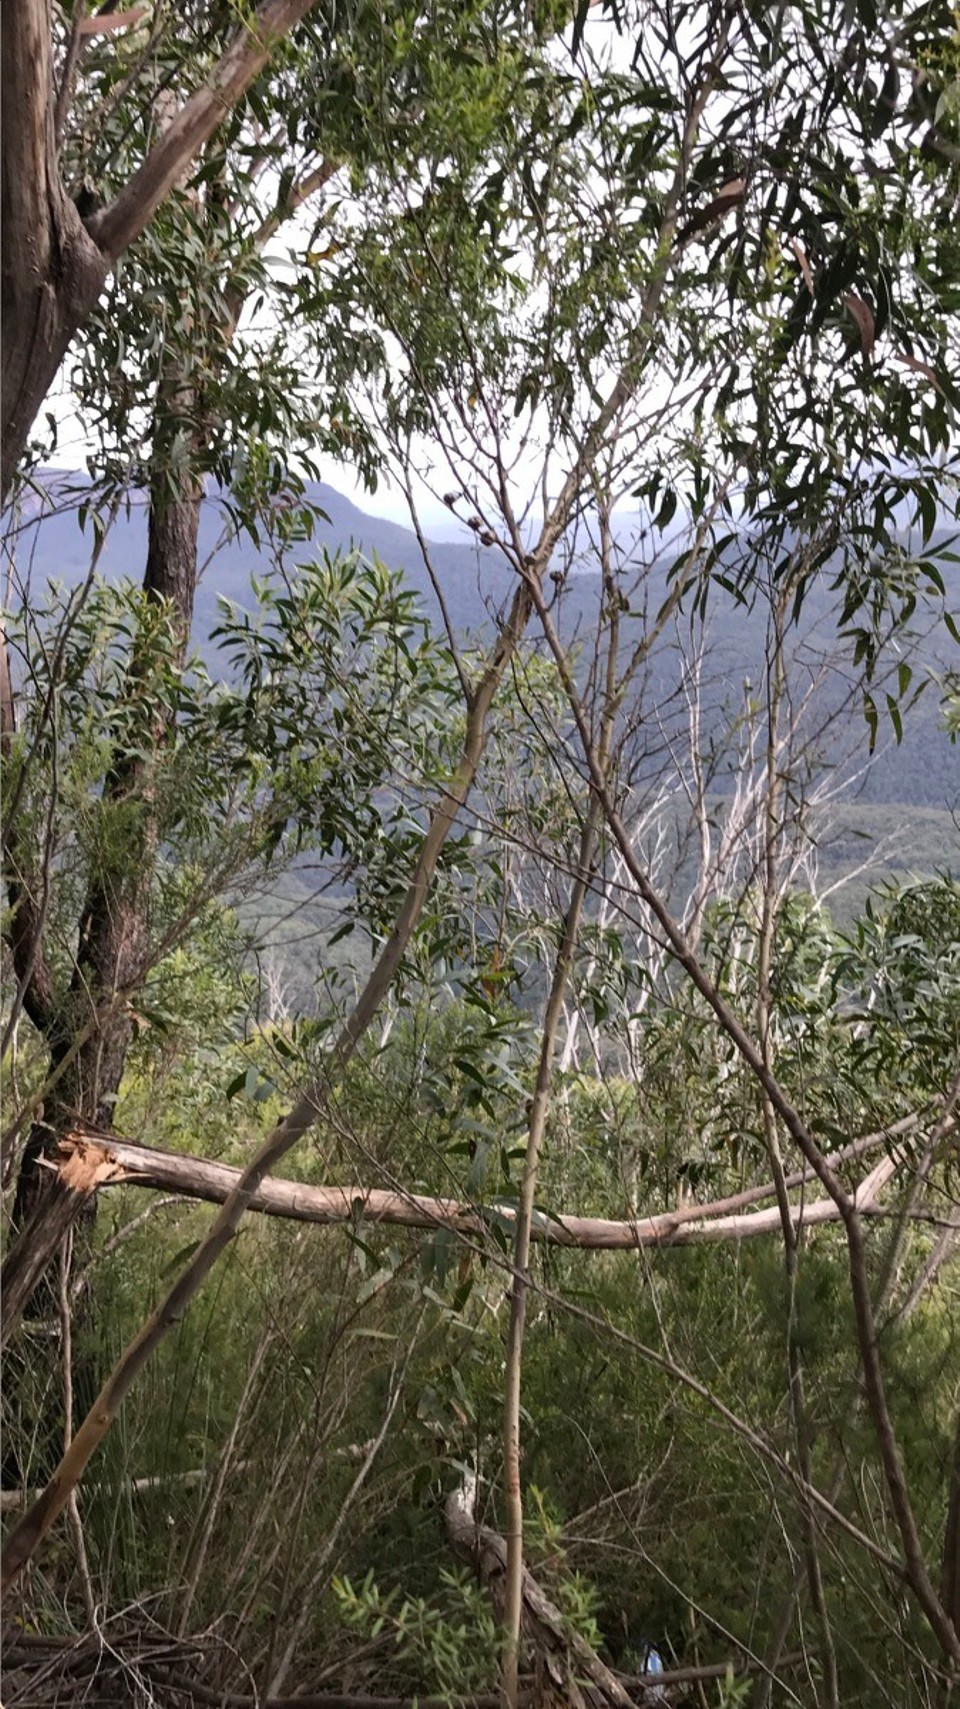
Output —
(923, 771)
(55, 547)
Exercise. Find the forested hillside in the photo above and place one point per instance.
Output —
(915, 765)
(481, 1020)
(888, 810)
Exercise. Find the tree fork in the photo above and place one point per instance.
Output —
(55, 266)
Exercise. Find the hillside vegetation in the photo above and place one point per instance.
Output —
(481, 1018)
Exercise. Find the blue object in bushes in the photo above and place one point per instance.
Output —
(653, 1664)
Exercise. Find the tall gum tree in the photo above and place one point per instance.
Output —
(55, 261)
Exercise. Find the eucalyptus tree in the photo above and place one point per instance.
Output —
(721, 283)
(175, 396)
(63, 238)
(760, 338)
(71, 212)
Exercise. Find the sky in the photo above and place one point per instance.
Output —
(388, 502)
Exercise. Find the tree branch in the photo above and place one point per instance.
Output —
(846, 1203)
(106, 1161)
(115, 228)
(35, 1523)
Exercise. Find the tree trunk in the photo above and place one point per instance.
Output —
(54, 267)
(113, 950)
(52, 271)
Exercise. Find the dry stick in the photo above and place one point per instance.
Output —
(486, 1550)
(708, 1670)
(199, 1550)
(737, 1425)
(539, 1107)
(919, 1181)
(66, 1361)
(942, 1127)
(917, 1574)
(308, 1598)
(937, 1257)
(791, 1235)
(124, 1165)
(11, 1500)
(190, 1177)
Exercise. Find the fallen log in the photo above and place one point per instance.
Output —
(109, 1161)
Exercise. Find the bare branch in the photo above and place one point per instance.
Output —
(753, 1056)
(118, 1163)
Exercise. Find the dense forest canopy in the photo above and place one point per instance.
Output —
(480, 1212)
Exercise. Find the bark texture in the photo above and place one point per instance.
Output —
(52, 271)
(54, 265)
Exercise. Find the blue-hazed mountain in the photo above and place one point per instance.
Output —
(51, 544)
(922, 771)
